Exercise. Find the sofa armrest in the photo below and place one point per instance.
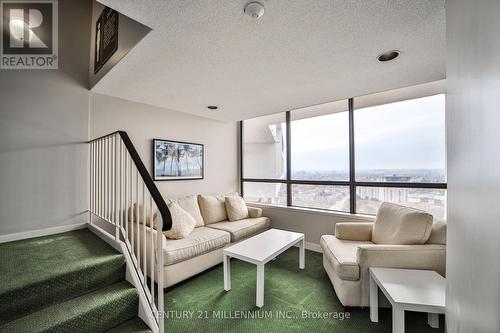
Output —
(428, 256)
(355, 231)
(254, 212)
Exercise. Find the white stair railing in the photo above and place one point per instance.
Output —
(123, 194)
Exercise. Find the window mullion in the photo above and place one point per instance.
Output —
(352, 165)
(288, 160)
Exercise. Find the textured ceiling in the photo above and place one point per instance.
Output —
(301, 52)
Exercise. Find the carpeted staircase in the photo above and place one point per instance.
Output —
(69, 282)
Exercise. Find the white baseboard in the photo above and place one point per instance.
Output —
(41, 232)
(314, 247)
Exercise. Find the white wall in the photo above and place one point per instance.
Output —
(43, 127)
(312, 223)
(143, 123)
(473, 134)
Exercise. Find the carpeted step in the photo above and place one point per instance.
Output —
(135, 325)
(95, 312)
(41, 271)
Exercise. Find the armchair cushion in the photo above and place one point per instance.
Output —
(342, 256)
(355, 231)
(401, 225)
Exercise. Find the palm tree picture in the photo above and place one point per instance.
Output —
(174, 160)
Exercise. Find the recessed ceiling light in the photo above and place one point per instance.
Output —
(254, 9)
(388, 56)
(212, 107)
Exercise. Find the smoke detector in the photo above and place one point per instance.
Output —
(255, 10)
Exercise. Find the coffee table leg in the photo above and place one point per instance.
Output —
(227, 273)
(373, 300)
(260, 286)
(433, 320)
(398, 319)
(302, 255)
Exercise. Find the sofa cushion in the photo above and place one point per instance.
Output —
(201, 240)
(182, 222)
(213, 208)
(236, 208)
(438, 233)
(243, 228)
(342, 256)
(254, 211)
(401, 225)
(190, 205)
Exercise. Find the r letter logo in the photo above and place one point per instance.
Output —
(29, 38)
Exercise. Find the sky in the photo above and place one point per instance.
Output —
(401, 135)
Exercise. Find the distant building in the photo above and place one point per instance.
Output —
(391, 194)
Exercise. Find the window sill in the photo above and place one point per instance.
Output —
(361, 217)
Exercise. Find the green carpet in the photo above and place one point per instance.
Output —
(200, 304)
(69, 282)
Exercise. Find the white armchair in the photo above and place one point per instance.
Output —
(401, 237)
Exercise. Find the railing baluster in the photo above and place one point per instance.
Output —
(126, 191)
(101, 195)
(94, 183)
(132, 208)
(104, 177)
(152, 250)
(115, 197)
(91, 182)
(138, 221)
(110, 180)
(106, 189)
(144, 260)
(121, 184)
(159, 265)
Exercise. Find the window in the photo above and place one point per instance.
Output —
(345, 159)
(321, 196)
(368, 199)
(266, 193)
(401, 142)
(264, 147)
(320, 143)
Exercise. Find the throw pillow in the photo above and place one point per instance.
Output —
(182, 222)
(212, 208)
(236, 208)
(190, 205)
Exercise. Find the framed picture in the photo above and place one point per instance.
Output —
(175, 160)
(106, 37)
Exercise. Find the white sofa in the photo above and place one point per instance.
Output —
(202, 249)
(401, 237)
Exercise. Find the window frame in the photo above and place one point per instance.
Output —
(352, 183)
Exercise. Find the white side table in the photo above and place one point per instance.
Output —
(407, 290)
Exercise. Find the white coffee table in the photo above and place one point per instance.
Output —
(259, 250)
(407, 290)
